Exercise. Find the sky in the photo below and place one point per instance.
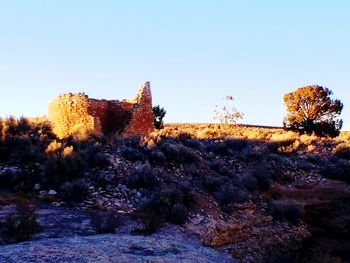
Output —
(194, 53)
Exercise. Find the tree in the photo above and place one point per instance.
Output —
(228, 113)
(159, 114)
(310, 109)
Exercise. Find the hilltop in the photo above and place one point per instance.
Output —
(254, 194)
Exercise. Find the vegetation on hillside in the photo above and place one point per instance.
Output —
(177, 171)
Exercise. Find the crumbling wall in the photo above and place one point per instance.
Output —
(142, 119)
(72, 114)
(69, 115)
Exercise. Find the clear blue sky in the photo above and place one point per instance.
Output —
(194, 52)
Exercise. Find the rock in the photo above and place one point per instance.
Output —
(52, 192)
(120, 248)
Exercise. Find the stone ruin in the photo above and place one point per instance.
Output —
(77, 114)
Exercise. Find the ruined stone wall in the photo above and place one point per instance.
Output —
(72, 114)
(142, 120)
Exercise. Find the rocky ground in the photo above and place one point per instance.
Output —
(257, 196)
(162, 247)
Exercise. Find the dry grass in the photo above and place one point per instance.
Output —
(245, 132)
(206, 131)
(290, 141)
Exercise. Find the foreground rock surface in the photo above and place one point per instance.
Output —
(111, 248)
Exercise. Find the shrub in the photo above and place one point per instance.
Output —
(186, 193)
(236, 145)
(187, 155)
(177, 214)
(213, 182)
(277, 146)
(263, 175)
(228, 194)
(227, 147)
(187, 140)
(150, 218)
(310, 109)
(133, 155)
(159, 114)
(105, 221)
(342, 151)
(42, 158)
(75, 191)
(250, 182)
(59, 169)
(289, 211)
(22, 141)
(170, 204)
(220, 168)
(20, 226)
(171, 152)
(218, 148)
(156, 157)
(340, 170)
(94, 156)
(178, 154)
(142, 177)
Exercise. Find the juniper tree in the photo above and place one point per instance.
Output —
(310, 109)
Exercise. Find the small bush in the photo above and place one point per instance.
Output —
(168, 205)
(142, 177)
(288, 211)
(236, 145)
(21, 225)
(340, 170)
(177, 214)
(75, 191)
(156, 157)
(227, 147)
(42, 158)
(133, 154)
(188, 156)
(187, 140)
(228, 195)
(151, 219)
(342, 151)
(105, 221)
(94, 156)
(59, 169)
(178, 154)
(22, 141)
(250, 182)
(220, 168)
(218, 148)
(276, 146)
(213, 182)
(170, 150)
(263, 175)
(187, 197)
(159, 114)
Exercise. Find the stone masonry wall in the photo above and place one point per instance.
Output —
(72, 114)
